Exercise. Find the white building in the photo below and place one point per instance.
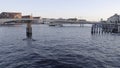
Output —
(114, 19)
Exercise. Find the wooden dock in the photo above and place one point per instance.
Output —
(105, 27)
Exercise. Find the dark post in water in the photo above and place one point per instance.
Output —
(29, 30)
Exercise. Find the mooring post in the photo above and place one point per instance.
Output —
(99, 28)
(93, 29)
(29, 30)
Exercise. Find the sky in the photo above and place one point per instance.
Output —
(92, 10)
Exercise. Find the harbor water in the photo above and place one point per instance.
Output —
(58, 47)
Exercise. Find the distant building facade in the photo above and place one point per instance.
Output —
(36, 17)
(37, 21)
(13, 15)
(72, 19)
(82, 20)
(28, 17)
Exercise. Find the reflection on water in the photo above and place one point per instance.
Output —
(58, 47)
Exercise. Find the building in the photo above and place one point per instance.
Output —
(72, 19)
(36, 17)
(82, 20)
(46, 20)
(114, 19)
(27, 17)
(38, 21)
(12, 15)
(114, 23)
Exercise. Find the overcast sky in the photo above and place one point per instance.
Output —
(85, 9)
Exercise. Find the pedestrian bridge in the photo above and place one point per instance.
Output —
(2, 21)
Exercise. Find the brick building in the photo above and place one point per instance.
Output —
(12, 15)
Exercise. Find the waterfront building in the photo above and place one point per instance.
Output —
(12, 15)
(28, 16)
(61, 19)
(47, 20)
(36, 17)
(114, 19)
(82, 20)
(37, 21)
(114, 22)
(72, 19)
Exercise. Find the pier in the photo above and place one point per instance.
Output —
(105, 28)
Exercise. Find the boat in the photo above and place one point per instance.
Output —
(55, 24)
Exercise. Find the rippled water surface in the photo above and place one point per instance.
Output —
(58, 47)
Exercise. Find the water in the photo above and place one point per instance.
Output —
(58, 47)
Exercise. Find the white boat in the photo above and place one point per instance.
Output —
(55, 24)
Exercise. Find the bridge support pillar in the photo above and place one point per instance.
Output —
(29, 30)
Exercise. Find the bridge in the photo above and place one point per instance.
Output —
(27, 21)
(3, 21)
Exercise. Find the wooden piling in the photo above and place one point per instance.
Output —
(29, 30)
(92, 29)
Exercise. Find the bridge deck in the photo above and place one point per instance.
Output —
(22, 19)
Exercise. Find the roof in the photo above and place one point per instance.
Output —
(13, 12)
